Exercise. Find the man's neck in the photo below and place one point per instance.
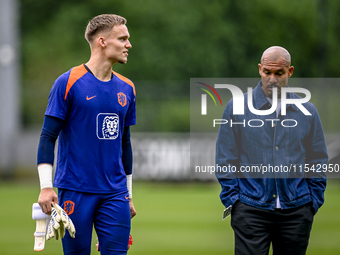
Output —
(102, 70)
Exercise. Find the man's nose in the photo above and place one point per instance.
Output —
(272, 78)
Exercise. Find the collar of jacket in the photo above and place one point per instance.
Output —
(260, 101)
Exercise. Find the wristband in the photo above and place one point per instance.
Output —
(129, 184)
(45, 176)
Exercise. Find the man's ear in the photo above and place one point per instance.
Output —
(101, 41)
(290, 71)
(260, 68)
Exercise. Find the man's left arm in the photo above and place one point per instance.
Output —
(316, 158)
(127, 160)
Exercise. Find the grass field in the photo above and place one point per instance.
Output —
(172, 218)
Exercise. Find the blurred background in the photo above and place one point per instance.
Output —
(172, 41)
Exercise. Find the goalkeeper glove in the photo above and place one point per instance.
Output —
(59, 220)
(42, 220)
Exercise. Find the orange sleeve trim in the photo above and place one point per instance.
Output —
(76, 73)
(126, 80)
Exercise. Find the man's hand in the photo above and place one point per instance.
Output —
(132, 208)
(46, 197)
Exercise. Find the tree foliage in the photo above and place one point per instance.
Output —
(174, 40)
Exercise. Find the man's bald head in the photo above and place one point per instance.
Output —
(276, 53)
(275, 69)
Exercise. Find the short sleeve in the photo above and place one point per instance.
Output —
(57, 104)
(130, 118)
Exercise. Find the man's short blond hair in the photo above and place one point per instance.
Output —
(103, 22)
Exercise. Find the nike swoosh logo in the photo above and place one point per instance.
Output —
(126, 197)
(89, 98)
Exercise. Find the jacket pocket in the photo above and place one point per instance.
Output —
(257, 189)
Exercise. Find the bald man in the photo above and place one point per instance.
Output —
(276, 206)
(275, 69)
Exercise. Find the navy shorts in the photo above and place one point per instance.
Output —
(108, 213)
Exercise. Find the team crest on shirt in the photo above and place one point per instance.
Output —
(107, 126)
(121, 99)
(69, 207)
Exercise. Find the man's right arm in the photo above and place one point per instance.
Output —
(48, 137)
(227, 157)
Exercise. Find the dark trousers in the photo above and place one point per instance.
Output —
(288, 230)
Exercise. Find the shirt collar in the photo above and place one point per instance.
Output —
(260, 99)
